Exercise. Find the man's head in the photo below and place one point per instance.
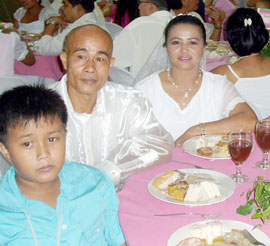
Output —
(72, 10)
(87, 58)
(148, 7)
(32, 132)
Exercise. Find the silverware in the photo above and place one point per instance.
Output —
(252, 239)
(205, 216)
(196, 166)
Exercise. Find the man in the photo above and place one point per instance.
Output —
(74, 13)
(110, 126)
(137, 40)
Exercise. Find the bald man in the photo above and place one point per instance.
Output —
(110, 126)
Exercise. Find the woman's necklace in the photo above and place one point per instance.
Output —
(186, 92)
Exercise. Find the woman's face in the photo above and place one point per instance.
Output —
(68, 12)
(185, 46)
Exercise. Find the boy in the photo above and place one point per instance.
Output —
(44, 201)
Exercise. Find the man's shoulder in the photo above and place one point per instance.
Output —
(120, 90)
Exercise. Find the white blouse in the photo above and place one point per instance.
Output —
(214, 101)
(121, 135)
(35, 26)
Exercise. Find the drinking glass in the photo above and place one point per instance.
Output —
(263, 140)
(240, 144)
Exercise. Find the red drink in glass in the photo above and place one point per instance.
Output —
(240, 150)
(263, 140)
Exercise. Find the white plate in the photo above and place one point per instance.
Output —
(227, 226)
(191, 145)
(225, 184)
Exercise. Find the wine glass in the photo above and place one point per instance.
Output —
(240, 144)
(263, 140)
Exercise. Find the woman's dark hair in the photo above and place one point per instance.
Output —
(185, 19)
(246, 32)
(88, 5)
(174, 4)
(131, 6)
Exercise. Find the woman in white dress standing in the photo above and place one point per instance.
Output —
(250, 75)
(186, 100)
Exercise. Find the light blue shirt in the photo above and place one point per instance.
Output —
(86, 212)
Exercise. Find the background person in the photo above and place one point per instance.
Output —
(186, 100)
(74, 13)
(44, 201)
(250, 75)
(110, 126)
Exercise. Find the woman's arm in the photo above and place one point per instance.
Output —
(241, 117)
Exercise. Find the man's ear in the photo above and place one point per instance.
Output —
(63, 57)
(4, 151)
(112, 61)
(153, 8)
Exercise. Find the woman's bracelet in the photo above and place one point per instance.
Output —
(202, 126)
(218, 27)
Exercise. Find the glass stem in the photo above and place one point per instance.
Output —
(238, 169)
(265, 156)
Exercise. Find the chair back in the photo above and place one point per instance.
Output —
(7, 55)
(121, 76)
(113, 29)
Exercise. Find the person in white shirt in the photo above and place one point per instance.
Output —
(134, 44)
(110, 126)
(74, 13)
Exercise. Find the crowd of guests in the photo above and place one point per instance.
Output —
(73, 143)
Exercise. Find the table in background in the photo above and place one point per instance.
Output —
(137, 206)
(45, 66)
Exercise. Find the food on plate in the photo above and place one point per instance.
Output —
(215, 48)
(207, 231)
(192, 241)
(211, 234)
(189, 188)
(211, 145)
(205, 151)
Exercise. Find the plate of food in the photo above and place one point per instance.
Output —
(191, 187)
(216, 49)
(216, 232)
(210, 147)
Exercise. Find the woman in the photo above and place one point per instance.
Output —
(125, 12)
(31, 16)
(188, 101)
(247, 36)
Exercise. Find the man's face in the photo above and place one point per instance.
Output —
(68, 12)
(145, 7)
(87, 60)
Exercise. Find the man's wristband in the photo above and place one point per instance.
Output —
(51, 21)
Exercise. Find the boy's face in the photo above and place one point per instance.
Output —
(36, 150)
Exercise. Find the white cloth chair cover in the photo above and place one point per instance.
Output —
(121, 76)
(113, 29)
(7, 55)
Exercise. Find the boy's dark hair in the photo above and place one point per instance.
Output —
(246, 38)
(29, 102)
(88, 5)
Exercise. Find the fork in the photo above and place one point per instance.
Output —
(196, 166)
(252, 239)
(205, 216)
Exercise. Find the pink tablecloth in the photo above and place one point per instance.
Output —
(137, 206)
(45, 66)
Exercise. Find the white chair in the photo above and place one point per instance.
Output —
(113, 29)
(121, 76)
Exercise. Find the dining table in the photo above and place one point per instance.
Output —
(138, 207)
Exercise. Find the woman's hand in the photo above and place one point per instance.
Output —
(10, 30)
(189, 133)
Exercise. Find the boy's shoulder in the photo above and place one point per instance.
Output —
(87, 177)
